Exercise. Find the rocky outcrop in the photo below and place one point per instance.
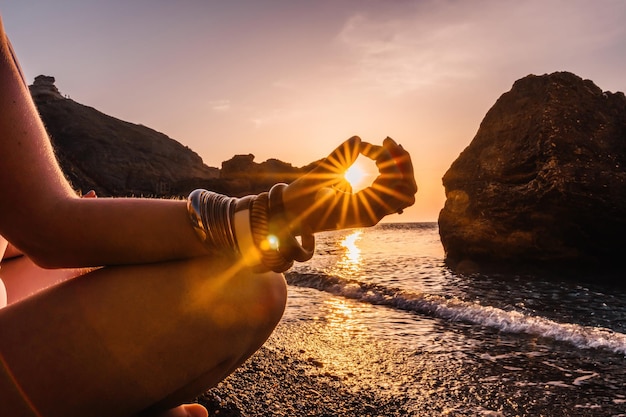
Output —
(43, 89)
(247, 176)
(543, 181)
(118, 158)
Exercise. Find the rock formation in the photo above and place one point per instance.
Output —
(543, 182)
(43, 89)
(118, 158)
(249, 177)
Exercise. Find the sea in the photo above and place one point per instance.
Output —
(380, 307)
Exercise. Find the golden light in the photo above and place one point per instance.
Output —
(357, 176)
(340, 315)
(272, 242)
(355, 208)
(353, 252)
(349, 265)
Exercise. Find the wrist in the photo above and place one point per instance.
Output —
(250, 227)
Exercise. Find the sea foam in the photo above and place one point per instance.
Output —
(455, 309)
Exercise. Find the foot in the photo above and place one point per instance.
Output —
(187, 410)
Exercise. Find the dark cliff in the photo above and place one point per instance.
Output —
(118, 158)
(544, 179)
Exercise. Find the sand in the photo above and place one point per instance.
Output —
(284, 378)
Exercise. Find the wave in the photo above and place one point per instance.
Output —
(454, 309)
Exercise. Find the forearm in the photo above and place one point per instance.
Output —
(113, 231)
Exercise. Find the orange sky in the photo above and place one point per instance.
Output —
(292, 79)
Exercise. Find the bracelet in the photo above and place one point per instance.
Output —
(243, 232)
(288, 245)
(211, 216)
(268, 244)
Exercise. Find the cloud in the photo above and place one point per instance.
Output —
(402, 54)
(269, 116)
(220, 105)
(438, 42)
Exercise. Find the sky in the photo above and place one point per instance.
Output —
(292, 79)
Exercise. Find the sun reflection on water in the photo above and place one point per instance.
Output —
(342, 339)
(339, 316)
(350, 260)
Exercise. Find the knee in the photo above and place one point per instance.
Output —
(266, 301)
(241, 301)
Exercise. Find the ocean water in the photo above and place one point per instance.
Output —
(381, 310)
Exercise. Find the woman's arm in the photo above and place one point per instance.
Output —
(42, 215)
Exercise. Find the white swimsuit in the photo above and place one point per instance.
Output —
(3, 290)
(3, 294)
(3, 241)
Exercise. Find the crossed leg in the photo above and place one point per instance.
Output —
(123, 341)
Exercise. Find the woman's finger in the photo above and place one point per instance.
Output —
(403, 161)
(370, 150)
(341, 158)
(395, 187)
(382, 156)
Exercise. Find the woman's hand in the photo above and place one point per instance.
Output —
(319, 201)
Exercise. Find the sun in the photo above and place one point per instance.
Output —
(356, 176)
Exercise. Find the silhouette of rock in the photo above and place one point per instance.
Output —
(118, 158)
(543, 182)
(249, 177)
(43, 89)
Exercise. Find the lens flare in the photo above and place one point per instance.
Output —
(355, 175)
(270, 243)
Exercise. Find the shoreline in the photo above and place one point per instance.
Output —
(284, 380)
(331, 356)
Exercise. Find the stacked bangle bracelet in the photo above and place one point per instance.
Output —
(211, 216)
(255, 227)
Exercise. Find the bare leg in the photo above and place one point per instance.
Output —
(117, 341)
(23, 278)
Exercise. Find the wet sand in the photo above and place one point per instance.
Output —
(326, 358)
(285, 378)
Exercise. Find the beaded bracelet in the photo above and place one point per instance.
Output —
(267, 243)
(289, 247)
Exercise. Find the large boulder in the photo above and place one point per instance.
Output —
(543, 182)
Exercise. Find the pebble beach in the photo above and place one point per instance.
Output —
(286, 379)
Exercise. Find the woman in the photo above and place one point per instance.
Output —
(120, 307)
